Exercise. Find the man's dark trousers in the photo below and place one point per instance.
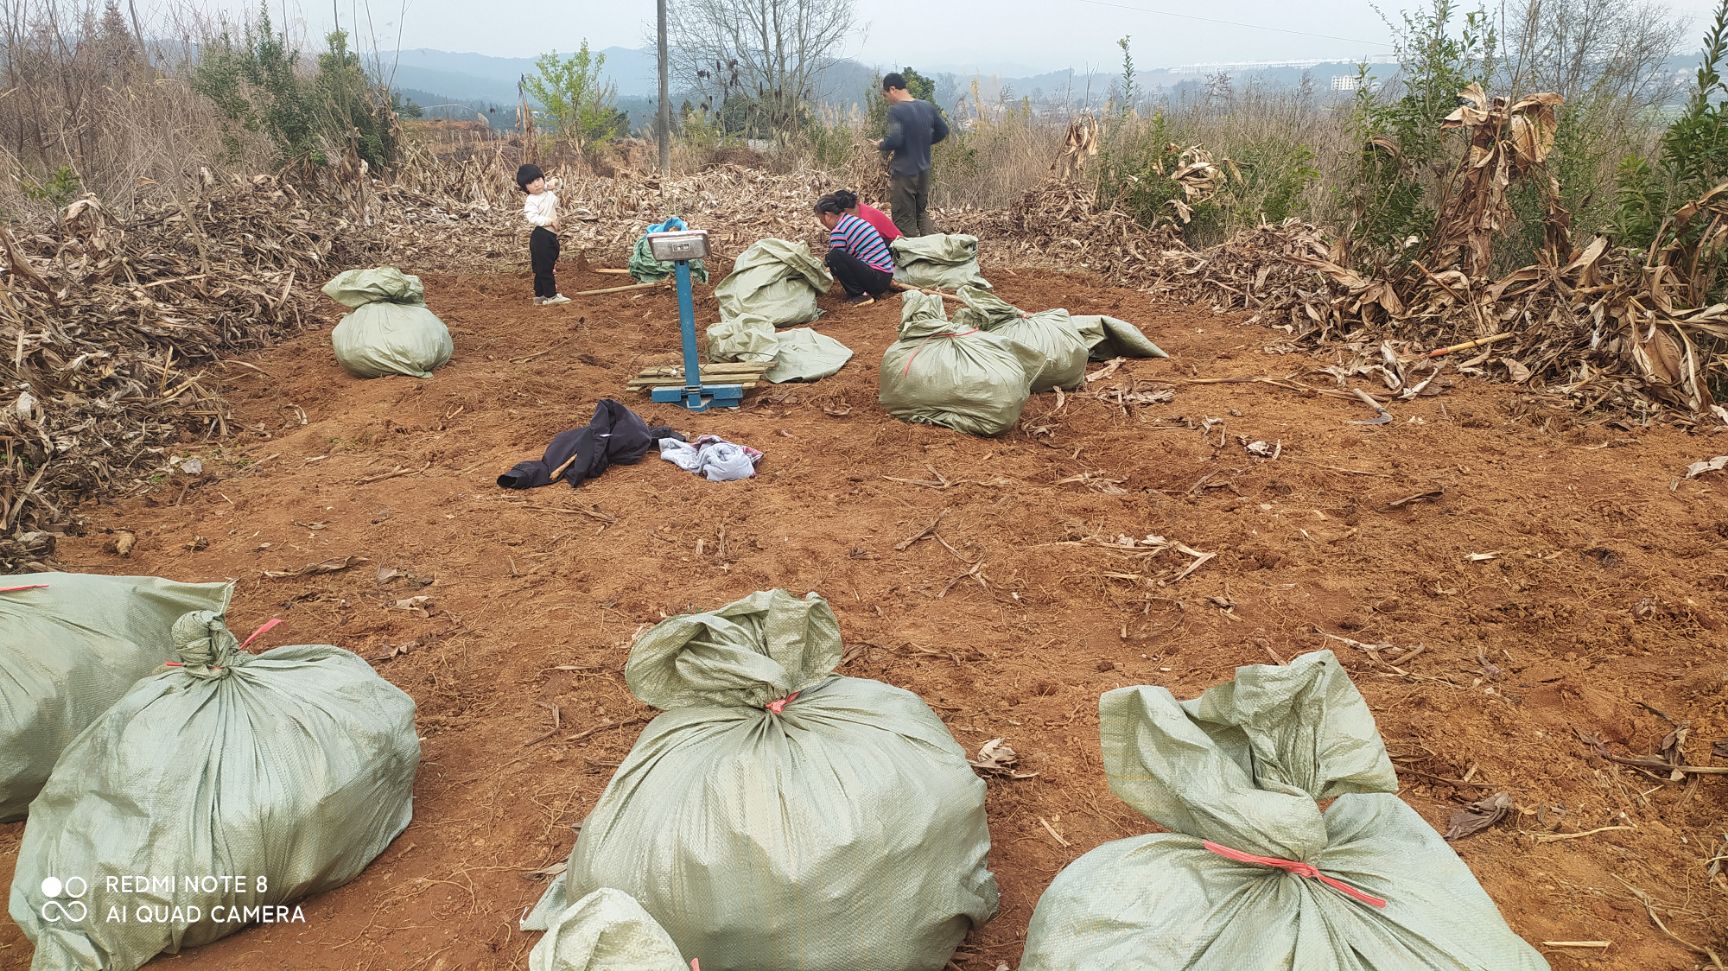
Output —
(856, 275)
(909, 198)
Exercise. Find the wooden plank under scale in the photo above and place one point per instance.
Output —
(647, 384)
(733, 367)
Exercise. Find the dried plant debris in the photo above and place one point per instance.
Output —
(1716, 464)
(1148, 550)
(996, 758)
(1478, 816)
(336, 565)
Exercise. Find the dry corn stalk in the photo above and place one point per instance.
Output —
(1080, 144)
(1506, 144)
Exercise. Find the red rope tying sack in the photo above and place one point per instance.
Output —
(1297, 867)
(32, 586)
(945, 335)
(779, 705)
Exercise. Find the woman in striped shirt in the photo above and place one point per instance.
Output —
(856, 254)
(878, 219)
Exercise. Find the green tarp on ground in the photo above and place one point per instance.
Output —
(798, 354)
(1244, 766)
(1107, 337)
(947, 262)
(776, 280)
(943, 373)
(390, 330)
(779, 817)
(292, 770)
(1052, 332)
(605, 931)
(70, 645)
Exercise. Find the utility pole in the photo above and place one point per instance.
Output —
(665, 100)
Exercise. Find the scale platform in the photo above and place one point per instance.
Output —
(724, 384)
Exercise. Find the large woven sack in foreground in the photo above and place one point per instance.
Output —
(390, 330)
(1052, 332)
(288, 771)
(1252, 876)
(948, 262)
(944, 373)
(70, 645)
(774, 279)
(605, 931)
(779, 817)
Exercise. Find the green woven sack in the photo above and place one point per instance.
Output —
(948, 262)
(776, 280)
(943, 373)
(1107, 337)
(606, 931)
(1051, 332)
(72, 645)
(1252, 875)
(233, 786)
(779, 817)
(390, 330)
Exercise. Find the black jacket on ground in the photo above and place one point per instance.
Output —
(615, 436)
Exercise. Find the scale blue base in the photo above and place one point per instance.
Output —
(694, 395)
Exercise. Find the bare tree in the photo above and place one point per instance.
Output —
(771, 52)
(1594, 51)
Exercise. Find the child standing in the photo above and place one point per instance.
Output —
(856, 254)
(541, 211)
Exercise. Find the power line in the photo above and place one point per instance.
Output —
(1234, 23)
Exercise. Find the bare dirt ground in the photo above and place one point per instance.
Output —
(1603, 610)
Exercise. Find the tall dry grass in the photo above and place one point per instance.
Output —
(87, 108)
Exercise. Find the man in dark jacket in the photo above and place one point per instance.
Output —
(913, 126)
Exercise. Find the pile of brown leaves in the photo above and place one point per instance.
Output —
(1059, 225)
(108, 325)
(1602, 325)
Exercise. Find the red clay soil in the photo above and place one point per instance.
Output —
(1601, 611)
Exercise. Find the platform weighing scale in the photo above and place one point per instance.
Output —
(679, 248)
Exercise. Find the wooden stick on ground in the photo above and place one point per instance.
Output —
(1467, 345)
(904, 287)
(633, 286)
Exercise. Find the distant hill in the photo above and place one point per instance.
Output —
(481, 83)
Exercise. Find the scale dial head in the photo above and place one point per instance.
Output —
(688, 244)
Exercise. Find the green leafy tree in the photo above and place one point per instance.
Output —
(577, 103)
(1404, 150)
(253, 83)
(257, 83)
(352, 107)
(1694, 151)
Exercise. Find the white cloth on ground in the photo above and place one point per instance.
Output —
(712, 457)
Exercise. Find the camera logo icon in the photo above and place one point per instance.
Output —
(65, 899)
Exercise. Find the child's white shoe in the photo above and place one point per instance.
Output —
(539, 301)
(555, 300)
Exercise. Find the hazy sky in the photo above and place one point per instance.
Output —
(1007, 36)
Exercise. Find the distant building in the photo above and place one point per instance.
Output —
(1346, 82)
